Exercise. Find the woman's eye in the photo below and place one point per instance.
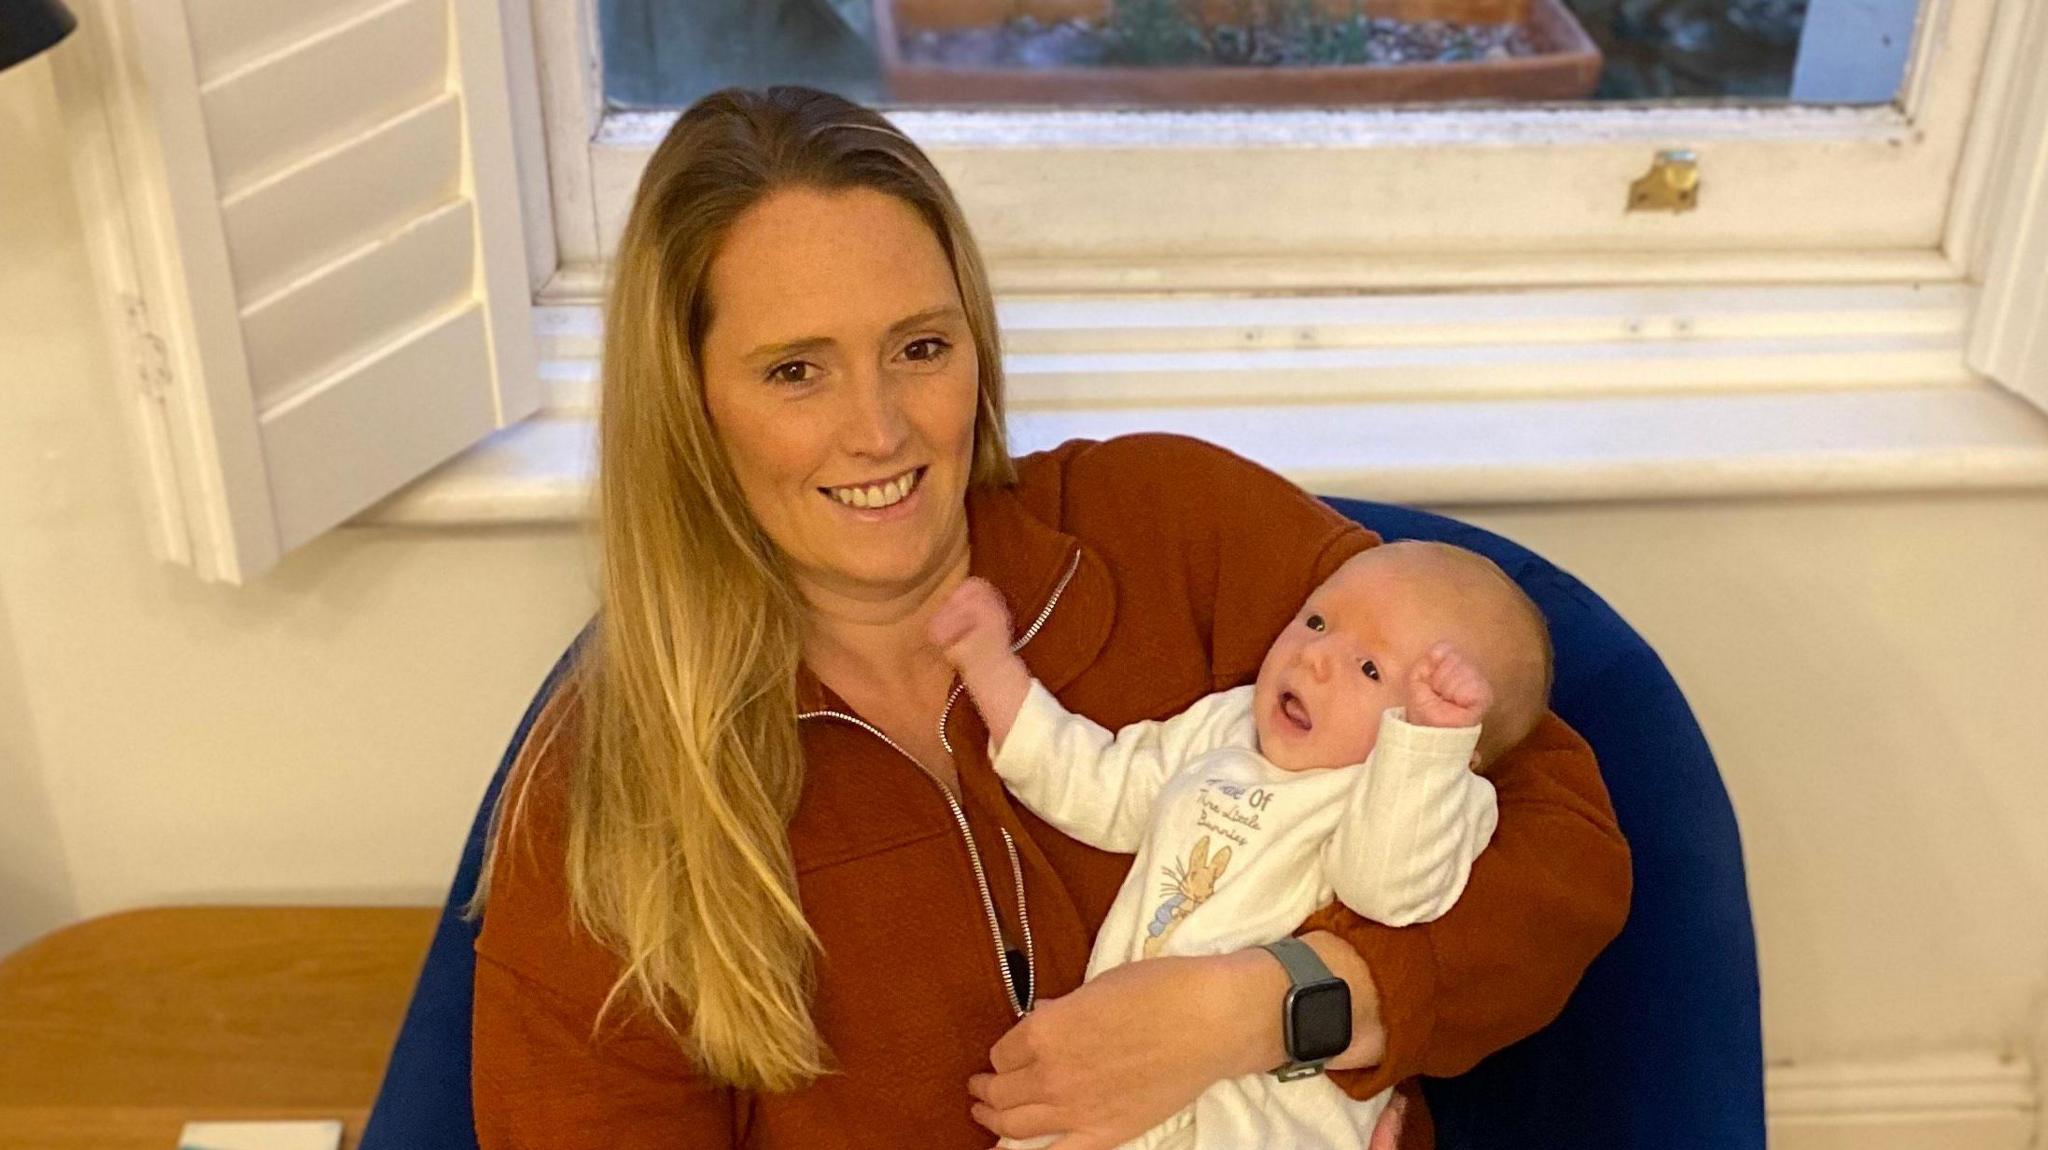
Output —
(937, 347)
(791, 372)
(1315, 622)
(1371, 669)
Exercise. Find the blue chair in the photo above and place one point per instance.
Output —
(1660, 1048)
(424, 1102)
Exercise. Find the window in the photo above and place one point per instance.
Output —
(667, 53)
(317, 291)
(1452, 300)
(1068, 197)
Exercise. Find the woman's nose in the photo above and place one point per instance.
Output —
(876, 425)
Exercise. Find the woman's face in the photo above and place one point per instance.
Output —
(841, 379)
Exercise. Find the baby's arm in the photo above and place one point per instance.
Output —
(1094, 785)
(1418, 815)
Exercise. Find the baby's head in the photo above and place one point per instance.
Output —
(1346, 655)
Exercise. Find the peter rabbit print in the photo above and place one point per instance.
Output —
(1189, 884)
(1231, 850)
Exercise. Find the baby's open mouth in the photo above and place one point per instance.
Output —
(1290, 706)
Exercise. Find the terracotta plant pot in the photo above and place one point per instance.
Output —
(1568, 67)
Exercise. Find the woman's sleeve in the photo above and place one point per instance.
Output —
(539, 1082)
(543, 1074)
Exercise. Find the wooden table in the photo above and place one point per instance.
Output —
(116, 1032)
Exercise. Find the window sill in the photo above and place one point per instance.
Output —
(1591, 449)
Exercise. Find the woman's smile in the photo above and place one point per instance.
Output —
(882, 500)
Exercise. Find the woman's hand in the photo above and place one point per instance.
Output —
(1135, 1046)
(1119, 1055)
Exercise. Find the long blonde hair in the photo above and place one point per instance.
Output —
(691, 763)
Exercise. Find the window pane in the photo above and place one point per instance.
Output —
(1203, 53)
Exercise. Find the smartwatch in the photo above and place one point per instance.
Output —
(1316, 1019)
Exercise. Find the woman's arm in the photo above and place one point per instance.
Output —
(1136, 1044)
(538, 1081)
(1131, 1047)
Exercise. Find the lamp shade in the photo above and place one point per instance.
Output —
(30, 26)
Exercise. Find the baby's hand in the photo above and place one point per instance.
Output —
(1446, 691)
(972, 625)
(972, 628)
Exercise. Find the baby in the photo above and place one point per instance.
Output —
(1347, 770)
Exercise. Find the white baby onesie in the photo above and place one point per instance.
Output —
(1232, 852)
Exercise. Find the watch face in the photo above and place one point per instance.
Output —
(1319, 1019)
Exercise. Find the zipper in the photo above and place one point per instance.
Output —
(1018, 1002)
(1029, 996)
(1021, 998)
(1030, 964)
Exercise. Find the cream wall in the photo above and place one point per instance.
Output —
(1872, 675)
(323, 735)
(1870, 672)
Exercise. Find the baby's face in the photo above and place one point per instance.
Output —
(1345, 658)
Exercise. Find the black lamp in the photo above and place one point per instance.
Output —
(31, 26)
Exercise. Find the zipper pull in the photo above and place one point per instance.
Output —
(1020, 975)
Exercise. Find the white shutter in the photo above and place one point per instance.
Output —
(326, 252)
(2009, 340)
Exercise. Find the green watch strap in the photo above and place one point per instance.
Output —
(1304, 967)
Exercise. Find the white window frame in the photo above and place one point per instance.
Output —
(1668, 357)
(1379, 199)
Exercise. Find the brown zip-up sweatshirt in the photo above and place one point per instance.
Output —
(1156, 570)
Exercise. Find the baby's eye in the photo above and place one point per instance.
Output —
(1315, 622)
(1371, 669)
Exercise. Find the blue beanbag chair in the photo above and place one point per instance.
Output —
(1660, 1048)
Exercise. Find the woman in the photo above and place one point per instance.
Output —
(755, 882)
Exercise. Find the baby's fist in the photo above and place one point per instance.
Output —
(972, 623)
(1445, 690)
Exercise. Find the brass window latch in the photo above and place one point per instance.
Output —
(1672, 185)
